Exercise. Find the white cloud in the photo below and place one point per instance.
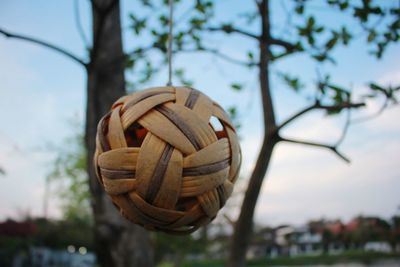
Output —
(22, 188)
(306, 182)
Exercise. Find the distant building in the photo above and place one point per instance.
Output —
(20, 229)
(323, 236)
(45, 257)
(378, 246)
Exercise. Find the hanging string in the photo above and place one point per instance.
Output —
(170, 41)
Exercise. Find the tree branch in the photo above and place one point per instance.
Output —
(229, 220)
(296, 115)
(279, 42)
(332, 148)
(341, 106)
(317, 105)
(230, 29)
(220, 55)
(44, 44)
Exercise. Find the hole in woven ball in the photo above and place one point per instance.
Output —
(221, 134)
(186, 203)
(218, 127)
(135, 135)
(216, 124)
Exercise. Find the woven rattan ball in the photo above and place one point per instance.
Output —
(163, 162)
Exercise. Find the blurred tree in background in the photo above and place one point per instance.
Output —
(305, 32)
(68, 180)
(117, 242)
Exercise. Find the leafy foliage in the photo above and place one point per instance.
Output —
(292, 82)
(60, 234)
(378, 22)
(309, 34)
(69, 174)
(175, 248)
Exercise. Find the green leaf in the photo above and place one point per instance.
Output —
(146, 3)
(346, 36)
(299, 9)
(332, 112)
(233, 114)
(344, 5)
(197, 22)
(376, 87)
(137, 24)
(236, 86)
(292, 82)
(227, 27)
(130, 63)
(200, 7)
(310, 22)
(371, 36)
(164, 20)
(232, 111)
(320, 57)
(338, 89)
(332, 42)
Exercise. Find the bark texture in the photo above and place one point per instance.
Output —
(119, 243)
(243, 228)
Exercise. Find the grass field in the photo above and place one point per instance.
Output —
(351, 256)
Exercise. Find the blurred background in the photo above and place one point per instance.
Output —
(330, 193)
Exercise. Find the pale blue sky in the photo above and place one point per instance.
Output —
(41, 90)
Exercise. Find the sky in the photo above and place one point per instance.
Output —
(41, 91)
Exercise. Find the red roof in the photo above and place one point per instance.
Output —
(335, 228)
(13, 228)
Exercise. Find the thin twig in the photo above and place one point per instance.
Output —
(289, 21)
(229, 219)
(44, 44)
(285, 44)
(170, 41)
(373, 116)
(233, 30)
(345, 128)
(333, 148)
(317, 105)
(78, 23)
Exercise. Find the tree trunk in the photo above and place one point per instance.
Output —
(243, 228)
(244, 225)
(118, 242)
